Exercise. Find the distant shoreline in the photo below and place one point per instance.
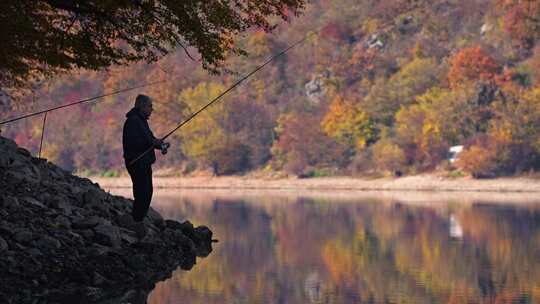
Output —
(409, 183)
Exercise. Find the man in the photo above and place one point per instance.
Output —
(137, 138)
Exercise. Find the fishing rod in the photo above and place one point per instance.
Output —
(223, 93)
(82, 101)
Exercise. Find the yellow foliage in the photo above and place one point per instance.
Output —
(202, 135)
(347, 123)
(258, 44)
(388, 156)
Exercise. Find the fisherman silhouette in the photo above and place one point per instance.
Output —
(137, 138)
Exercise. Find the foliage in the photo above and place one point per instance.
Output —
(299, 146)
(348, 124)
(388, 95)
(471, 64)
(388, 156)
(440, 118)
(49, 35)
(201, 140)
(520, 20)
(409, 78)
(478, 161)
(231, 157)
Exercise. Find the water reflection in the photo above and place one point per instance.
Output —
(309, 250)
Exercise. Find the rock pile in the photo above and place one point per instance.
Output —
(64, 238)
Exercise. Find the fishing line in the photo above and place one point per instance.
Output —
(42, 134)
(223, 93)
(83, 101)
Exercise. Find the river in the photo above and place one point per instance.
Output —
(289, 247)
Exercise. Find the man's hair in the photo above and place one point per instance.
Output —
(141, 100)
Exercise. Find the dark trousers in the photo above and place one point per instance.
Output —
(141, 177)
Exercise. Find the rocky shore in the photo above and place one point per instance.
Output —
(64, 240)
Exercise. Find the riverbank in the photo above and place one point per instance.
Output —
(409, 183)
(65, 240)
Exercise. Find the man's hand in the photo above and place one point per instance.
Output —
(164, 148)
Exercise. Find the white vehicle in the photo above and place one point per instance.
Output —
(453, 153)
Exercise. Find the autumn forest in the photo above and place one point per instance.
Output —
(378, 86)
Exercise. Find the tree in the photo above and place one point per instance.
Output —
(471, 64)
(388, 95)
(348, 124)
(300, 146)
(47, 36)
(201, 137)
(520, 20)
(439, 118)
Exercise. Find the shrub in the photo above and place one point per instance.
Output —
(231, 158)
(388, 157)
(478, 161)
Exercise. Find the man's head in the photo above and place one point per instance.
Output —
(144, 104)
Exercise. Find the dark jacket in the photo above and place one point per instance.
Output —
(137, 138)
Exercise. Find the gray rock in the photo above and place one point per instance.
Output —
(11, 202)
(5, 160)
(77, 238)
(87, 223)
(154, 217)
(3, 245)
(7, 144)
(97, 279)
(23, 236)
(34, 252)
(32, 201)
(6, 228)
(24, 152)
(128, 238)
(125, 221)
(65, 207)
(23, 171)
(97, 250)
(107, 235)
(47, 242)
(87, 234)
(62, 221)
(92, 197)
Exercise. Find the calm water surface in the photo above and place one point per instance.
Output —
(291, 249)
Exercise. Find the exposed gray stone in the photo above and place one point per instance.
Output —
(87, 234)
(154, 216)
(92, 197)
(97, 279)
(11, 202)
(34, 252)
(3, 245)
(24, 152)
(87, 223)
(62, 221)
(41, 203)
(125, 220)
(7, 144)
(32, 201)
(128, 237)
(47, 242)
(97, 250)
(5, 160)
(23, 236)
(107, 235)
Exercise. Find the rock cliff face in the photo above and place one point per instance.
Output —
(63, 239)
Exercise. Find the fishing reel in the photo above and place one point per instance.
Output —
(164, 146)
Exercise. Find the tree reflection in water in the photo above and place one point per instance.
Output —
(326, 251)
